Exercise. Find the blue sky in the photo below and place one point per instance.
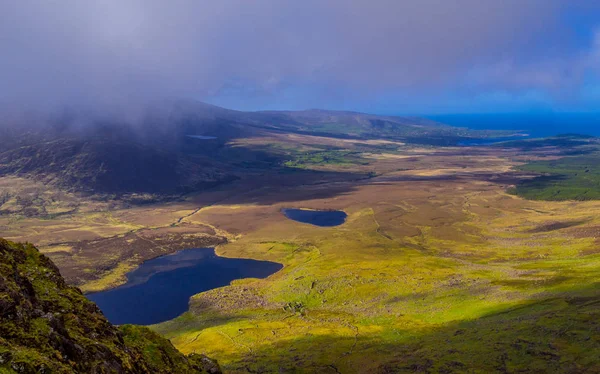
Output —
(382, 56)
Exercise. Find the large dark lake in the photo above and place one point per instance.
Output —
(325, 218)
(160, 289)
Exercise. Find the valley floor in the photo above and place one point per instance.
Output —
(437, 268)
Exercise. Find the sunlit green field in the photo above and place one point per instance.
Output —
(424, 276)
(353, 300)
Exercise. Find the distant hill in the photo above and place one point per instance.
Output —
(101, 165)
(173, 147)
(47, 326)
(356, 124)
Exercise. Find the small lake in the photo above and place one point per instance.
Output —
(488, 141)
(160, 289)
(202, 137)
(324, 218)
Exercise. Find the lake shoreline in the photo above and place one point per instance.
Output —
(160, 289)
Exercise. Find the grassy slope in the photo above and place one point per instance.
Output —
(470, 289)
(358, 300)
(48, 326)
(361, 125)
(571, 174)
(336, 158)
(568, 178)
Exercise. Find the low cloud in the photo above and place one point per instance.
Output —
(293, 53)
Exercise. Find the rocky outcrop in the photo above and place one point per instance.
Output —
(47, 326)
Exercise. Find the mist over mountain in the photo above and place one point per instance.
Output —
(177, 146)
(408, 56)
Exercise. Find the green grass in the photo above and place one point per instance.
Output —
(326, 158)
(360, 302)
(565, 142)
(413, 131)
(568, 178)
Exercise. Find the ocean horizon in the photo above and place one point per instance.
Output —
(535, 125)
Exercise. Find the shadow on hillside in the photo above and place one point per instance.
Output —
(567, 143)
(510, 177)
(262, 178)
(280, 184)
(289, 184)
(558, 334)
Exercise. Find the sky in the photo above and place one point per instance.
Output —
(380, 56)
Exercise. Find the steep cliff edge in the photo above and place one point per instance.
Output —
(47, 326)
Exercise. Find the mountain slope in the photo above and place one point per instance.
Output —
(173, 147)
(368, 126)
(104, 166)
(47, 326)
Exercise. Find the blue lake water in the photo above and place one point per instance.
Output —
(487, 141)
(325, 218)
(202, 137)
(159, 290)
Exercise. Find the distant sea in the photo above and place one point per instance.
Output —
(536, 125)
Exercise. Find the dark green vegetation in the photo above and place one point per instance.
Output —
(567, 178)
(323, 158)
(47, 326)
(573, 174)
(550, 336)
(567, 143)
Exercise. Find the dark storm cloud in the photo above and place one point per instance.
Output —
(106, 52)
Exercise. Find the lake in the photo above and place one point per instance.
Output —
(160, 289)
(202, 137)
(488, 141)
(324, 218)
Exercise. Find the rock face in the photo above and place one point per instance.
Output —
(47, 326)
